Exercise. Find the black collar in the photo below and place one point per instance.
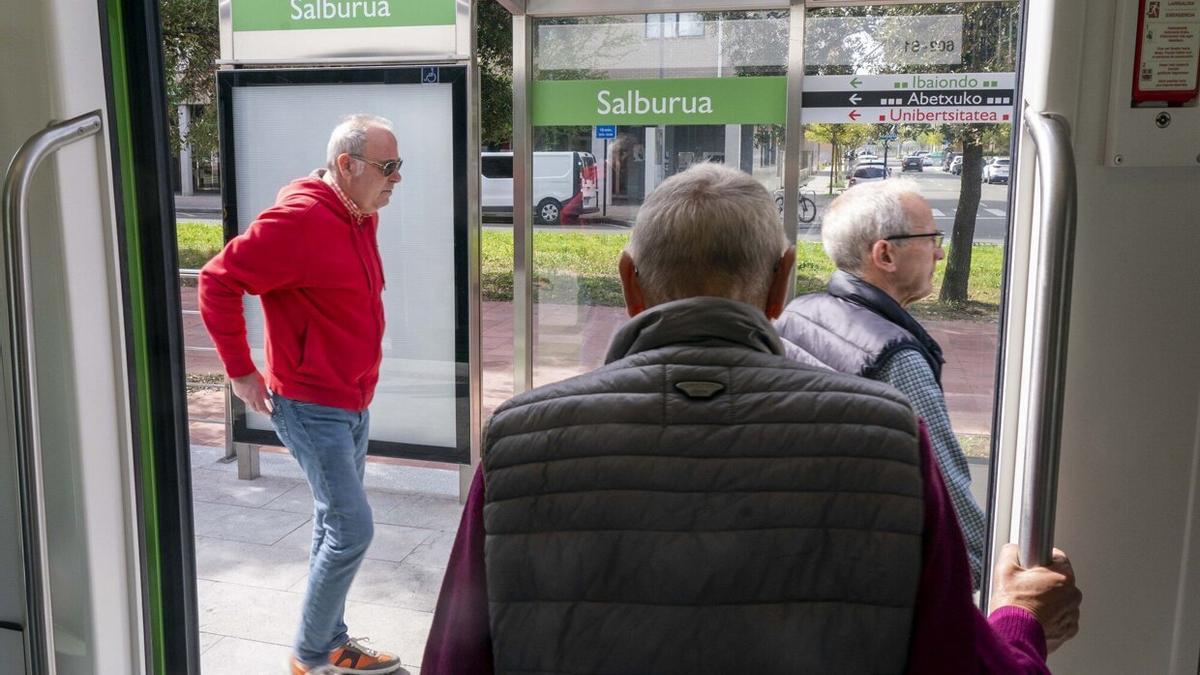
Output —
(701, 321)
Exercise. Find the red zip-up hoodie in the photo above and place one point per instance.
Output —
(320, 279)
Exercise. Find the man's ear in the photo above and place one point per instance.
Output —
(634, 302)
(343, 166)
(883, 256)
(777, 292)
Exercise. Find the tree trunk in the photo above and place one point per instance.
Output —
(834, 165)
(958, 264)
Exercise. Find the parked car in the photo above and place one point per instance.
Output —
(912, 163)
(864, 160)
(564, 185)
(956, 165)
(996, 171)
(868, 174)
(931, 159)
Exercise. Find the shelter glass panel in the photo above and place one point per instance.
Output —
(927, 93)
(618, 105)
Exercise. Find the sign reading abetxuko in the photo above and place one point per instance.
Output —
(255, 15)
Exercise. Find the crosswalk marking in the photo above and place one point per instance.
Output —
(993, 213)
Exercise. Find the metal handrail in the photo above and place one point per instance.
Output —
(1055, 234)
(39, 629)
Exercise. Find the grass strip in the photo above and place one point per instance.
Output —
(581, 268)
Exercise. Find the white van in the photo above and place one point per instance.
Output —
(564, 184)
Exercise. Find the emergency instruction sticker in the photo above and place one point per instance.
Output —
(1170, 49)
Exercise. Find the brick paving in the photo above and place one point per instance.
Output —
(571, 339)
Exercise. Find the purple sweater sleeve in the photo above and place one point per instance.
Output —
(460, 640)
(950, 634)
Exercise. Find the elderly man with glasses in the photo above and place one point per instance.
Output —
(314, 261)
(882, 238)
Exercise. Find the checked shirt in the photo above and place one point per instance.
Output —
(908, 371)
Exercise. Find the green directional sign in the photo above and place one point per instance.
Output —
(717, 100)
(253, 15)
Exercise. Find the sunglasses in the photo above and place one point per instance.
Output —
(387, 168)
(937, 237)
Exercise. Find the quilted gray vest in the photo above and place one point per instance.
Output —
(702, 504)
(853, 328)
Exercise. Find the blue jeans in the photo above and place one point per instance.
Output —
(331, 446)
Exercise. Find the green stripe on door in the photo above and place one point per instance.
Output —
(122, 125)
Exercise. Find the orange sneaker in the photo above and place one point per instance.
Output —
(301, 669)
(355, 658)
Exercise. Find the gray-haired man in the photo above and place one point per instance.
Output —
(313, 259)
(703, 504)
(885, 244)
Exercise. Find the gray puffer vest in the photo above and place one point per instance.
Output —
(853, 328)
(702, 504)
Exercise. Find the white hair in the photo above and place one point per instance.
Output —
(350, 137)
(710, 230)
(863, 215)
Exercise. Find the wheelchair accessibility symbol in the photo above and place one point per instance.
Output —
(429, 75)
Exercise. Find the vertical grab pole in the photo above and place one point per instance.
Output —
(39, 628)
(1055, 237)
(522, 196)
(793, 129)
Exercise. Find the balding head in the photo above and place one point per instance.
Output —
(710, 230)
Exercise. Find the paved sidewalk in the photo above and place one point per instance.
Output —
(252, 543)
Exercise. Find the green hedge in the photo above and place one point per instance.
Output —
(575, 267)
(197, 243)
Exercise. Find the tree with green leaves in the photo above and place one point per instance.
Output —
(841, 137)
(493, 48)
(191, 45)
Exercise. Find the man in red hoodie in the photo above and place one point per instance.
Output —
(313, 260)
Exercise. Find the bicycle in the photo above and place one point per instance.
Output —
(806, 204)
(807, 208)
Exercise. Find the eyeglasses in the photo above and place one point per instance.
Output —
(387, 168)
(938, 237)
